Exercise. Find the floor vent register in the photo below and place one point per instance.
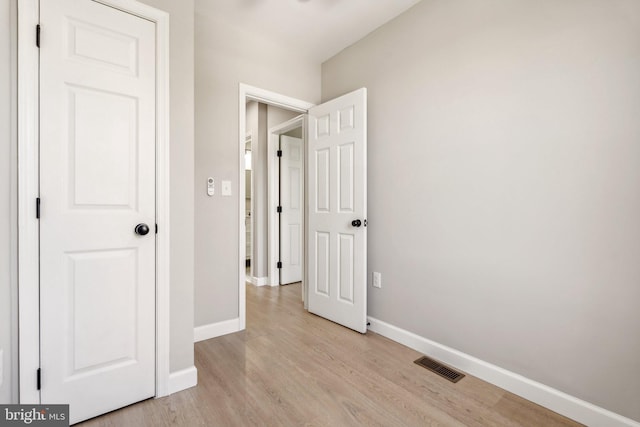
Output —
(440, 369)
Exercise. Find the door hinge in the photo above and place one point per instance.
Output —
(279, 153)
(279, 209)
(37, 207)
(38, 35)
(279, 265)
(38, 379)
(156, 228)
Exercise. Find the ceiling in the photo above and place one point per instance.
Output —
(321, 28)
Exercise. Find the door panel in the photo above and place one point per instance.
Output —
(103, 143)
(322, 180)
(321, 279)
(345, 267)
(345, 180)
(291, 200)
(97, 181)
(337, 158)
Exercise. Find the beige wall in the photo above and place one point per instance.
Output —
(226, 56)
(8, 203)
(506, 138)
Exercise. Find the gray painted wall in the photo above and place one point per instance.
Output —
(8, 203)
(296, 133)
(226, 56)
(182, 170)
(506, 138)
(277, 116)
(182, 149)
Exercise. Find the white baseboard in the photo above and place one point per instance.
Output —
(259, 281)
(212, 330)
(183, 379)
(555, 400)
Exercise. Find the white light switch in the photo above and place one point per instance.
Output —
(226, 188)
(210, 186)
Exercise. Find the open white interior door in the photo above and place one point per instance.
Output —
(337, 183)
(291, 203)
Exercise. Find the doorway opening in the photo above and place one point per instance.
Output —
(274, 195)
(286, 154)
(335, 189)
(260, 102)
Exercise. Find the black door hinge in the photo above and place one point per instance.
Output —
(38, 208)
(38, 379)
(279, 209)
(279, 265)
(279, 153)
(156, 228)
(38, 35)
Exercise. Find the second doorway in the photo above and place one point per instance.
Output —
(274, 195)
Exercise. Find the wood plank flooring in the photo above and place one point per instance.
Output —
(291, 368)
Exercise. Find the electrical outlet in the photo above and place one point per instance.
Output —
(1, 365)
(377, 280)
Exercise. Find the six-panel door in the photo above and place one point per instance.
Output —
(337, 245)
(292, 203)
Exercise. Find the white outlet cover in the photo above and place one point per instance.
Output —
(1, 366)
(377, 280)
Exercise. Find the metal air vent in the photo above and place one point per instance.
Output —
(440, 369)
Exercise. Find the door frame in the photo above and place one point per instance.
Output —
(252, 93)
(273, 169)
(28, 191)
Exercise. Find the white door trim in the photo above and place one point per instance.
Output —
(272, 193)
(251, 93)
(28, 238)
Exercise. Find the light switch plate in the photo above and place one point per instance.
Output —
(226, 188)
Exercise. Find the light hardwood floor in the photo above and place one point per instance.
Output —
(291, 368)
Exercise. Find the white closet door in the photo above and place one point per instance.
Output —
(97, 182)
